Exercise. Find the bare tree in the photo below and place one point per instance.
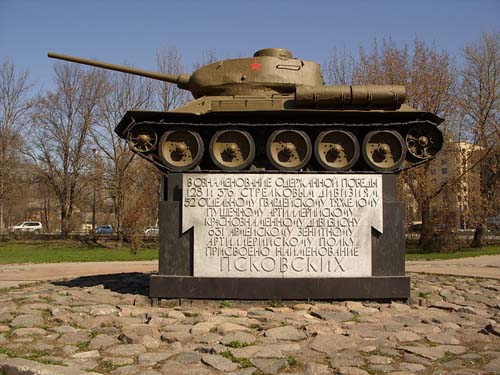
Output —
(125, 92)
(340, 68)
(208, 56)
(62, 120)
(168, 60)
(14, 106)
(480, 104)
(429, 76)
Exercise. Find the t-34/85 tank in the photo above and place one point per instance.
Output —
(273, 112)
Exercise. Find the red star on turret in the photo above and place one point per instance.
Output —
(255, 65)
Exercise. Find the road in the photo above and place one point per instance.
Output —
(16, 274)
(484, 266)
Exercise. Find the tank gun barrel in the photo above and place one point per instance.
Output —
(181, 80)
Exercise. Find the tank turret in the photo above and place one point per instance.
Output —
(273, 112)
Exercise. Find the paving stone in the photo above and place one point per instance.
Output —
(64, 329)
(317, 369)
(151, 359)
(412, 367)
(74, 337)
(442, 338)
(102, 341)
(29, 331)
(27, 321)
(240, 337)
(377, 359)
(332, 343)
(203, 328)
(219, 362)
(351, 371)
(103, 310)
(125, 350)
(6, 317)
(400, 307)
(86, 355)
(269, 365)
(150, 342)
(456, 363)
(302, 306)
(436, 352)
(181, 337)
(132, 333)
(339, 316)
(128, 370)
(406, 336)
(286, 333)
(34, 306)
(225, 328)
(209, 338)
(177, 328)
(118, 361)
(25, 366)
(176, 315)
(244, 371)
(493, 366)
(257, 351)
(188, 358)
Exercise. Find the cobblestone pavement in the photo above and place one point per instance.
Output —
(106, 325)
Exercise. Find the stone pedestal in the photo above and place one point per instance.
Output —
(224, 236)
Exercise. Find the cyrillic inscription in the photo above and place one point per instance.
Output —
(282, 225)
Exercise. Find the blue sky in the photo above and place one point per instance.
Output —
(130, 31)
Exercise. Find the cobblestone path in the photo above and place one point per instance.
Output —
(106, 325)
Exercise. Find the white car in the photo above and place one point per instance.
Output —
(26, 227)
(152, 231)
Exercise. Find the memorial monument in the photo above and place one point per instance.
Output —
(277, 186)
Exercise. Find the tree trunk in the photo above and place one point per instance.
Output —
(479, 235)
(426, 234)
(119, 232)
(64, 224)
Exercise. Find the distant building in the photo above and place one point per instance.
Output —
(456, 163)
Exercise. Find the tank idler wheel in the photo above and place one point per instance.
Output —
(384, 150)
(232, 149)
(289, 150)
(424, 141)
(142, 139)
(336, 150)
(181, 149)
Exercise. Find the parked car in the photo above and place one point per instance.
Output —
(152, 231)
(104, 229)
(26, 227)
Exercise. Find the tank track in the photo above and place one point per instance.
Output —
(177, 146)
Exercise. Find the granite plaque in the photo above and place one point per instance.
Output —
(282, 225)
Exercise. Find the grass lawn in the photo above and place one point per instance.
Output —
(73, 251)
(418, 254)
(67, 251)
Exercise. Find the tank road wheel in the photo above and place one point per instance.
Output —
(424, 141)
(142, 139)
(232, 149)
(384, 150)
(289, 150)
(336, 150)
(181, 150)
